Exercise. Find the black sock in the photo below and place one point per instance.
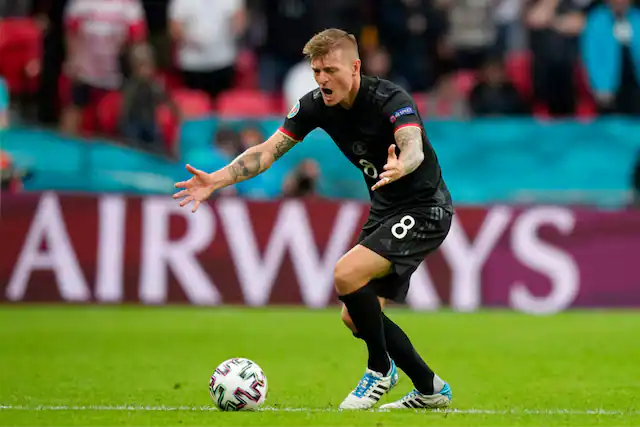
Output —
(406, 357)
(365, 312)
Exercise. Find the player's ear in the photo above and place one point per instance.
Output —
(356, 67)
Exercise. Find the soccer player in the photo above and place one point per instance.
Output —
(376, 125)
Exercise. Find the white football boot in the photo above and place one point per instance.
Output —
(370, 389)
(416, 400)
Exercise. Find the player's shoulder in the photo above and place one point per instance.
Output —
(382, 91)
(308, 103)
(313, 97)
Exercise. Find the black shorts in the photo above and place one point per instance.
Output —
(405, 239)
(84, 94)
(212, 82)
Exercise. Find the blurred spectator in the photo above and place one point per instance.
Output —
(298, 82)
(472, 32)
(494, 95)
(510, 32)
(303, 181)
(289, 24)
(205, 34)
(553, 29)
(142, 97)
(447, 100)
(97, 33)
(413, 31)
(344, 14)
(227, 141)
(11, 178)
(611, 53)
(377, 62)
(250, 136)
(15, 8)
(4, 104)
(49, 94)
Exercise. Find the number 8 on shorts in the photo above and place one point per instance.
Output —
(400, 229)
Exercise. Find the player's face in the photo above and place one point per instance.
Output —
(336, 74)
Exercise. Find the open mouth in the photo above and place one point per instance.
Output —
(327, 91)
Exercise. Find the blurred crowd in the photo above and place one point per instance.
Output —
(136, 68)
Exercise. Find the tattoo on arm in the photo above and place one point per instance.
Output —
(246, 166)
(252, 163)
(409, 141)
(283, 145)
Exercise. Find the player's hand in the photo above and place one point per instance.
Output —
(197, 189)
(393, 170)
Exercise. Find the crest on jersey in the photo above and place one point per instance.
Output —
(294, 110)
(359, 148)
(401, 112)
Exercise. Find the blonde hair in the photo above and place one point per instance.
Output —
(328, 40)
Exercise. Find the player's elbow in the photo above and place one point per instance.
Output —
(417, 157)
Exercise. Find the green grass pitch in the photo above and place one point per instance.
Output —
(81, 365)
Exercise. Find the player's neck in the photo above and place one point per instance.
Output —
(353, 94)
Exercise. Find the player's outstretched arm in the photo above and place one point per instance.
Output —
(252, 162)
(409, 140)
(255, 160)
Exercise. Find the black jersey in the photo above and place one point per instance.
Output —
(364, 133)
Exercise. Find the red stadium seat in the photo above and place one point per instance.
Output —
(169, 127)
(246, 75)
(586, 108)
(279, 104)
(172, 81)
(192, 103)
(582, 82)
(108, 112)
(245, 103)
(21, 53)
(518, 68)
(421, 100)
(464, 81)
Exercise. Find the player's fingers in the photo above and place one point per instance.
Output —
(378, 185)
(383, 181)
(181, 184)
(390, 174)
(181, 194)
(186, 201)
(195, 206)
(193, 170)
(392, 151)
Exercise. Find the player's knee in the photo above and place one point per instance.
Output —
(343, 276)
(346, 319)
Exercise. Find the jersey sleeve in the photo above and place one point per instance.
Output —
(302, 118)
(400, 111)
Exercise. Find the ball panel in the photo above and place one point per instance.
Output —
(238, 384)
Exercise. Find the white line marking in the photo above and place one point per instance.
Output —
(284, 409)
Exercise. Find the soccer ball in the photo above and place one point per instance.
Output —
(238, 384)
